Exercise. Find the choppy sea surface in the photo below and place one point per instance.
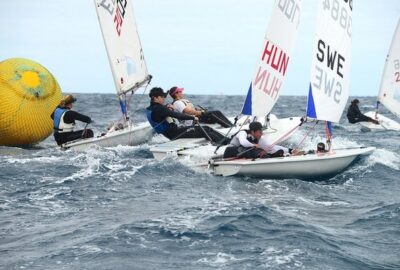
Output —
(118, 208)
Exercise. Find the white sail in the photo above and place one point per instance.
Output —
(389, 94)
(122, 43)
(330, 69)
(274, 58)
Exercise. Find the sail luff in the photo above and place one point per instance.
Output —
(389, 93)
(274, 58)
(103, 34)
(122, 44)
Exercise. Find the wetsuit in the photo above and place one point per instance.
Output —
(354, 115)
(64, 121)
(159, 117)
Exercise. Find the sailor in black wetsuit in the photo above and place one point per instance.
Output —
(354, 114)
(160, 118)
(64, 121)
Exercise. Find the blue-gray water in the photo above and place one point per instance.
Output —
(118, 208)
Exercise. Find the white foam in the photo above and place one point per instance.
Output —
(218, 259)
(385, 157)
(50, 159)
(276, 257)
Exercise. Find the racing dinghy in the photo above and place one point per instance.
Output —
(129, 71)
(389, 93)
(328, 94)
(265, 87)
(202, 150)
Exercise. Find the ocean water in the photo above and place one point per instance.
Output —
(118, 208)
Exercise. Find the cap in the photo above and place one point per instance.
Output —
(175, 90)
(66, 100)
(157, 92)
(254, 126)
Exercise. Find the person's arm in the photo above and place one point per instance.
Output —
(242, 136)
(161, 112)
(267, 146)
(357, 111)
(71, 116)
(191, 111)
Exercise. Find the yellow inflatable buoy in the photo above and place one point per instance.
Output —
(29, 93)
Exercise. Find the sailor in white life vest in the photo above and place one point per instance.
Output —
(183, 105)
(252, 144)
(64, 122)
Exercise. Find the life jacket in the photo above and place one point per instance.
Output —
(235, 140)
(58, 121)
(187, 103)
(159, 127)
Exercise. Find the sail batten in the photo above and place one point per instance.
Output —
(122, 43)
(331, 59)
(389, 93)
(273, 61)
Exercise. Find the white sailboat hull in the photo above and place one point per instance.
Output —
(307, 167)
(131, 135)
(385, 123)
(200, 149)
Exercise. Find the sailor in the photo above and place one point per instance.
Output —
(64, 121)
(252, 144)
(161, 119)
(354, 114)
(183, 105)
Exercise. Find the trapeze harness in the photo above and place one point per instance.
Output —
(58, 121)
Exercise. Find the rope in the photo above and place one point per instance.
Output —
(205, 133)
(284, 136)
(301, 142)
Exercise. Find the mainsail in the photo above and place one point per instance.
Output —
(122, 43)
(274, 58)
(389, 94)
(330, 70)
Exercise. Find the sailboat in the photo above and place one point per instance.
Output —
(327, 97)
(129, 71)
(389, 93)
(264, 89)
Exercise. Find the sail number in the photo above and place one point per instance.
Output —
(290, 8)
(339, 13)
(396, 67)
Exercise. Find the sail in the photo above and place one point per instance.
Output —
(122, 43)
(274, 58)
(330, 69)
(389, 94)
